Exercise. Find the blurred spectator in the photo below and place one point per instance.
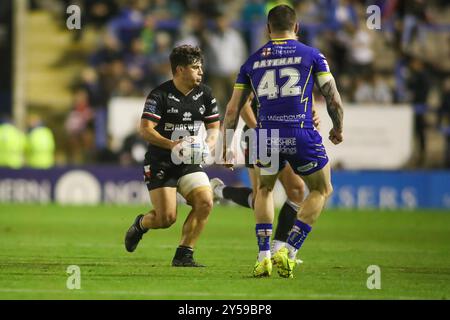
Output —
(128, 24)
(361, 52)
(372, 89)
(125, 88)
(99, 12)
(416, 18)
(98, 98)
(109, 51)
(12, 145)
(444, 119)
(382, 91)
(159, 61)
(137, 64)
(191, 30)
(363, 90)
(78, 126)
(40, 146)
(225, 52)
(165, 10)
(253, 18)
(133, 149)
(419, 86)
(147, 34)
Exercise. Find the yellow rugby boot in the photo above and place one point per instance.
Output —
(263, 268)
(284, 264)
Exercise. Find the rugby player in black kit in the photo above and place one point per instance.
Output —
(180, 104)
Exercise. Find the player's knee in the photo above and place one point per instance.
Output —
(203, 205)
(328, 191)
(168, 220)
(296, 193)
(265, 188)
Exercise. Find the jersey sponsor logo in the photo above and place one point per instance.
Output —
(202, 109)
(187, 116)
(191, 127)
(276, 62)
(284, 117)
(172, 110)
(169, 126)
(307, 167)
(198, 95)
(172, 97)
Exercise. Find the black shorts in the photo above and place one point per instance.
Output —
(159, 173)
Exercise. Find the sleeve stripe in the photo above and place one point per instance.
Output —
(212, 116)
(322, 73)
(152, 115)
(241, 86)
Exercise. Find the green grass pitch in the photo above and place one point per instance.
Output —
(39, 242)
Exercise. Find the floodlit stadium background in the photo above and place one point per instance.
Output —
(67, 198)
(88, 85)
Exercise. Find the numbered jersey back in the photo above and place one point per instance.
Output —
(281, 74)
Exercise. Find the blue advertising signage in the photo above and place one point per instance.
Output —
(117, 185)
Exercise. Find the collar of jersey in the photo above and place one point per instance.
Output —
(281, 39)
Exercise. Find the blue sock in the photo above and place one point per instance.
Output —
(298, 234)
(263, 233)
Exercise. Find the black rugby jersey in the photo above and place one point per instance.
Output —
(173, 111)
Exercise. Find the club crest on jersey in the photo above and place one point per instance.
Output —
(172, 110)
(266, 52)
(172, 97)
(187, 116)
(198, 95)
(202, 109)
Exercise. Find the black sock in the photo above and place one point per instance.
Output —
(139, 225)
(183, 251)
(239, 195)
(286, 220)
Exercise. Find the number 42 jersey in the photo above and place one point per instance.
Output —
(281, 74)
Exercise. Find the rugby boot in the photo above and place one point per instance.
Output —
(263, 268)
(134, 234)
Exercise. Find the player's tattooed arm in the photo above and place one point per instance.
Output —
(334, 103)
(327, 87)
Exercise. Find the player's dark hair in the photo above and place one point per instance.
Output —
(282, 18)
(184, 55)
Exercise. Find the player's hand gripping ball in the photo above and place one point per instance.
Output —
(194, 150)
